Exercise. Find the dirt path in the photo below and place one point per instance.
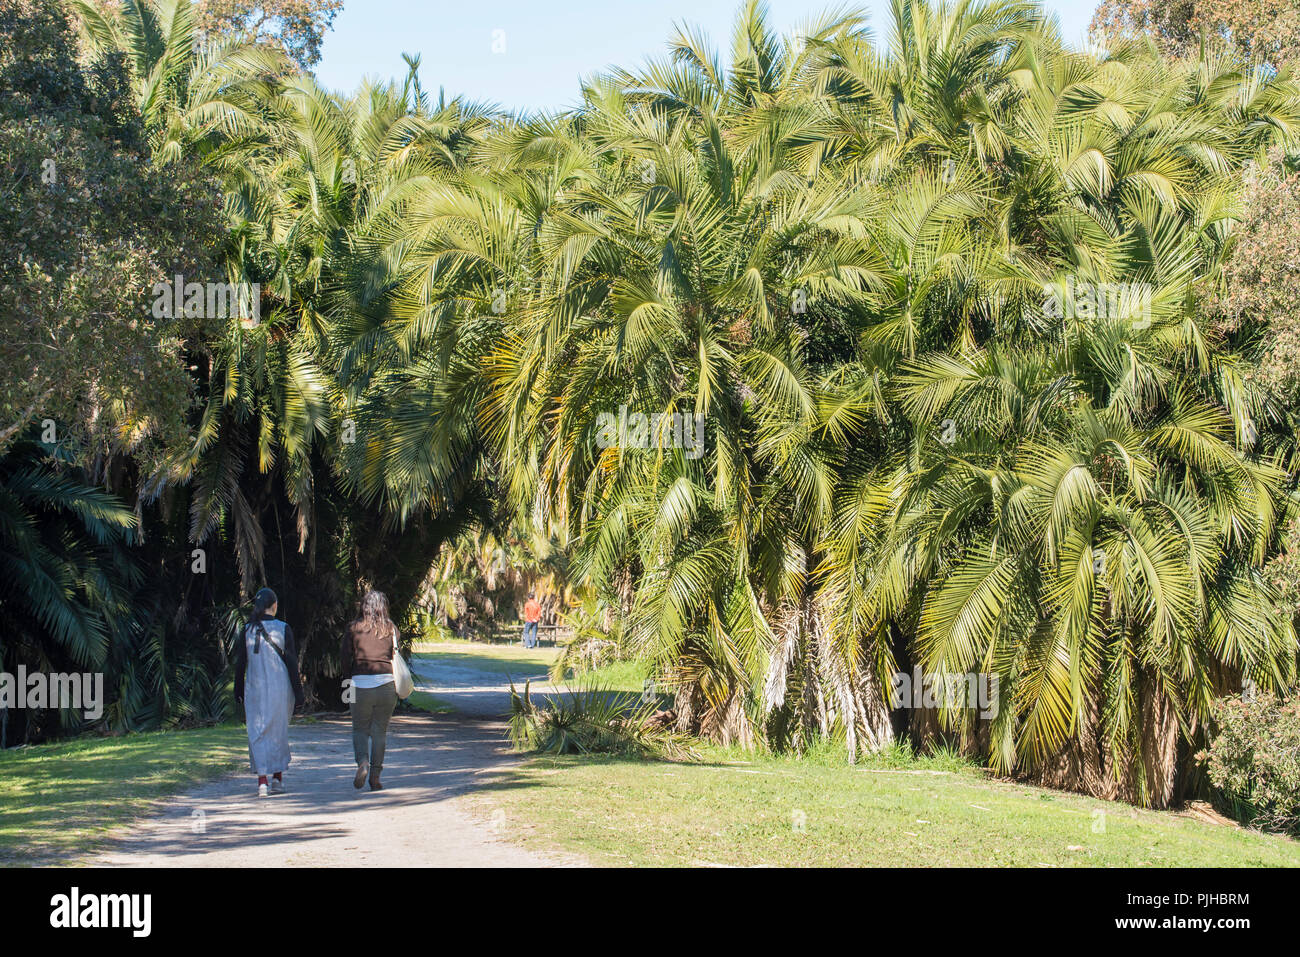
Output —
(424, 817)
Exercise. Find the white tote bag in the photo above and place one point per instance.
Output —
(403, 683)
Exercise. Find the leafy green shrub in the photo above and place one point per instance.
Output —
(1253, 761)
(426, 627)
(595, 721)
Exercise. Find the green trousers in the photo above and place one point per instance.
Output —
(371, 711)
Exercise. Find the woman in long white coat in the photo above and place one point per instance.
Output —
(268, 685)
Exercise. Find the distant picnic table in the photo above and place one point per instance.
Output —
(512, 632)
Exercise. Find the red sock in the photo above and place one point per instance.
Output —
(261, 779)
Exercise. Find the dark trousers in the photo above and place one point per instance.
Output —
(371, 711)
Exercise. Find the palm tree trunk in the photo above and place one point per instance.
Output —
(1159, 748)
(1150, 772)
(876, 729)
(1083, 763)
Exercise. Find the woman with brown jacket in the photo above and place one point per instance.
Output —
(368, 648)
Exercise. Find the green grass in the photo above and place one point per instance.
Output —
(615, 676)
(895, 811)
(59, 798)
(427, 702)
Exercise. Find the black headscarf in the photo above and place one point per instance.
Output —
(263, 600)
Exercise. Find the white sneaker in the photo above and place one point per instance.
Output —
(277, 786)
(262, 791)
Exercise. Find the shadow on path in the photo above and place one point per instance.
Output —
(419, 820)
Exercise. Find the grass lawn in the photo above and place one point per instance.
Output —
(743, 810)
(616, 676)
(59, 798)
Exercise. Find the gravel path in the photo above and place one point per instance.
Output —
(472, 691)
(425, 817)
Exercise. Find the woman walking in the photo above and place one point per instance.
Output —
(267, 684)
(368, 649)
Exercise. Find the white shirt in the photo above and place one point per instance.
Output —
(371, 681)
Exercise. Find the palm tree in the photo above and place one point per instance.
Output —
(68, 577)
(679, 242)
(297, 403)
(929, 463)
(1091, 528)
(863, 269)
(193, 91)
(311, 179)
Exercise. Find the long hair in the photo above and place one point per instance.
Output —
(263, 600)
(374, 612)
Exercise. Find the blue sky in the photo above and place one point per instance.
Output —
(545, 46)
